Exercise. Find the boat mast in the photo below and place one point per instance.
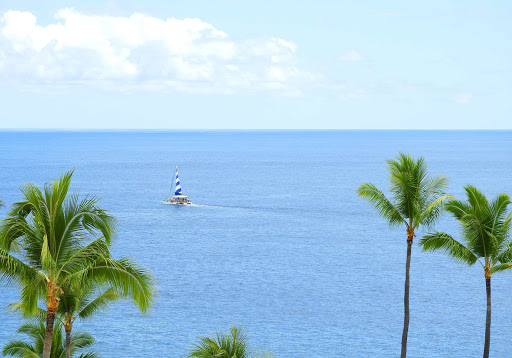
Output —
(172, 183)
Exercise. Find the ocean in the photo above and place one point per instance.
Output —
(280, 244)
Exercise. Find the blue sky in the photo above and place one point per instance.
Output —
(232, 64)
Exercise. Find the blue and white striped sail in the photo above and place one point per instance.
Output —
(178, 187)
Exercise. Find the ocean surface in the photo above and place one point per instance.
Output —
(280, 244)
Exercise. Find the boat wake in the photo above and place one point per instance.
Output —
(211, 206)
(214, 206)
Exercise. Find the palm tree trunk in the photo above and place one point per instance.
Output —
(406, 301)
(488, 318)
(52, 303)
(68, 342)
(48, 336)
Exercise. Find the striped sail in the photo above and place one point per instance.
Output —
(178, 187)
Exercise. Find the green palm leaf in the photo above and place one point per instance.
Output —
(99, 303)
(385, 208)
(232, 345)
(446, 243)
(127, 278)
(19, 348)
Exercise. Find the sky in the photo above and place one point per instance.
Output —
(234, 64)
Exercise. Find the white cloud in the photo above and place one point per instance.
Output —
(142, 52)
(463, 98)
(352, 56)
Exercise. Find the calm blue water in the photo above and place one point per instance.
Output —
(287, 250)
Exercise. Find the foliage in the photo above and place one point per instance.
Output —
(416, 198)
(33, 348)
(65, 240)
(485, 230)
(61, 242)
(86, 302)
(232, 345)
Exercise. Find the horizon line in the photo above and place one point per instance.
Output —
(248, 129)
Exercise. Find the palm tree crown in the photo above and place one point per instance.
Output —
(34, 349)
(232, 345)
(416, 198)
(485, 229)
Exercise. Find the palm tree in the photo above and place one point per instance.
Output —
(83, 303)
(34, 349)
(63, 242)
(416, 199)
(232, 345)
(486, 232)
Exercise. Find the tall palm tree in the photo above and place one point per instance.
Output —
(63, 241)
(34, 349)
(232, 345)
(416, 199)
(486, 232)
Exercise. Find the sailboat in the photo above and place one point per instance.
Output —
(178, 198)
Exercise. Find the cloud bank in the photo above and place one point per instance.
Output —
(142, 52)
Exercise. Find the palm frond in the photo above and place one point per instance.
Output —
(385, 208)
(89, 355)
(501, 267)
(20, 349)
(81, 340)
(123, 275)
(13, 269)
(444, 242)
(100, 302)
(406, 176)
(505, 255)
(47, 261)
(18, 307)
(431, 212)
(434, 186)
(500, 227)
(94, 251)
(476, 199)
(32, 292)
(82, 219)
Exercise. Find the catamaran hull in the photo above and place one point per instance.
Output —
(172, 203)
